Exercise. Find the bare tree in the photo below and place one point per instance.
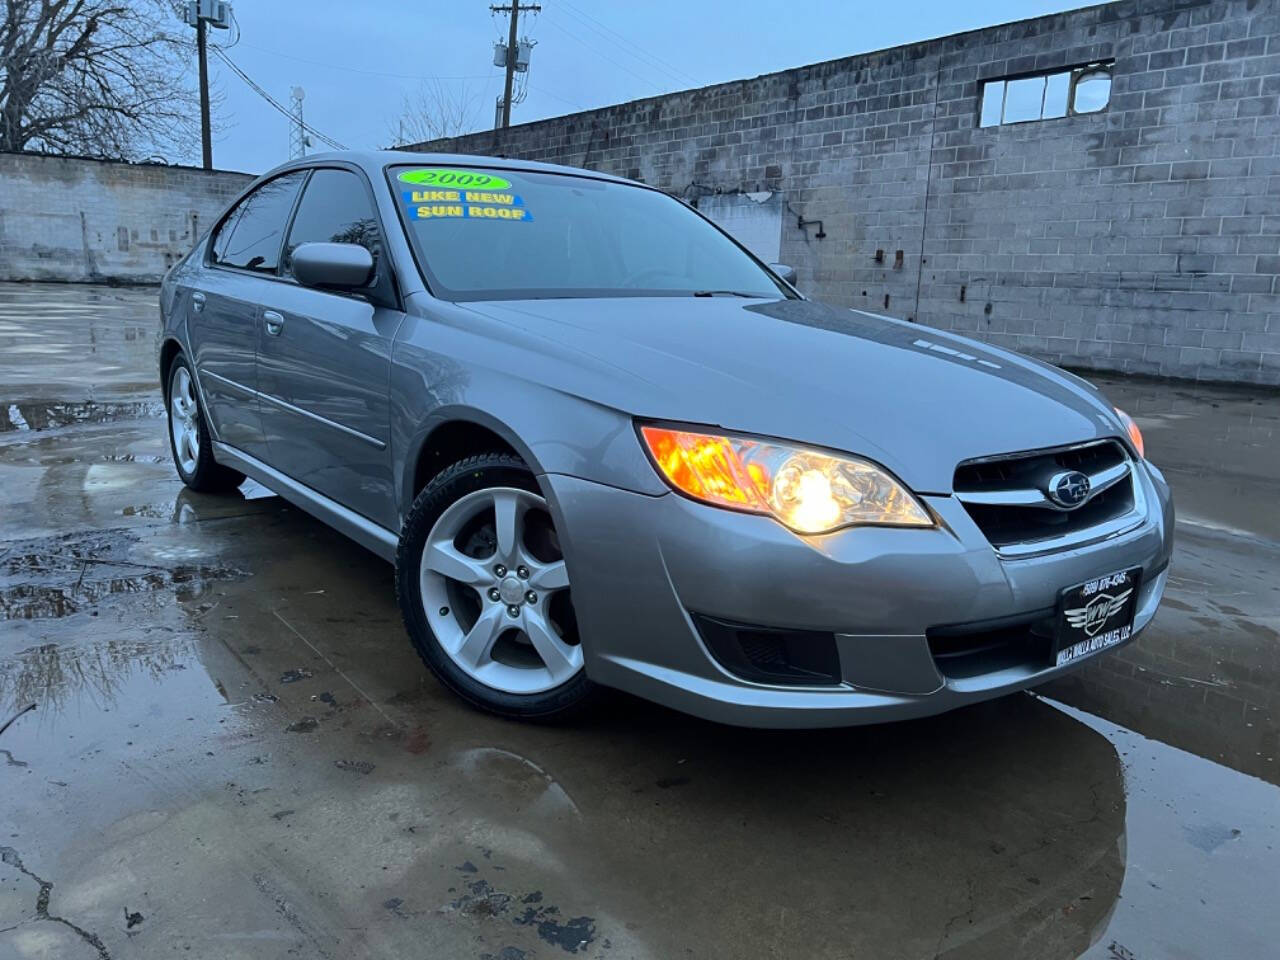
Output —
(96, 77)
(435, 111)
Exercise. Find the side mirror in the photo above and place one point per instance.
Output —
(332, 266)
(786, 273)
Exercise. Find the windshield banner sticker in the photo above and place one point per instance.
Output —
(441, 177)
(463, 196)
(465, 205)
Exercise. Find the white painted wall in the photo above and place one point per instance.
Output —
(70, 219)
(753, 219)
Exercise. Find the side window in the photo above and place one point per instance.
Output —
(335, 208)
(251, 236)
(223, 236)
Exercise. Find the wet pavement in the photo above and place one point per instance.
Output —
(235, 753)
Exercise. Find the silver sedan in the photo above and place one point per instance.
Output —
(605, 446)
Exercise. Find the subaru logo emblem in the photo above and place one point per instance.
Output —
(1069, 489)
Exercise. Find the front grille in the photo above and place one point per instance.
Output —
(1030, 469)
(1007, 499)
(1007, 525)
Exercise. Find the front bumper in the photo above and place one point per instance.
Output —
(642, 567)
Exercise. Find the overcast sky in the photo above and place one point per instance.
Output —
(357, 61)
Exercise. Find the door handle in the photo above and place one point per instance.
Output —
(274, 322)
(197, 301)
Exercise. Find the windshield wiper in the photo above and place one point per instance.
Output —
(727, 293)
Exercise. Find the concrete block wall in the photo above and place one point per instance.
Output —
(78, 220)
(1145, 238)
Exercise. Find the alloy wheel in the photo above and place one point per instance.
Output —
(183, 423)
(495, 592)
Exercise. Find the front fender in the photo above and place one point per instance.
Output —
(553, 431)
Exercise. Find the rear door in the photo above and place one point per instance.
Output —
(223, 316)
(324, 358)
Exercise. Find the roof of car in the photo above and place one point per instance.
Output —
(376, 160)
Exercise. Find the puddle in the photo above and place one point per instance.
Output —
(135, 458)
(153, 511)
(37, 415)
(53, 675)
(191, 507)
(52, 577)
(1200, 846)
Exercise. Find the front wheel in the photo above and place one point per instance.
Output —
(484, 591)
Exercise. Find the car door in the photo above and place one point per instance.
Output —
(324, 358)
(224, 306)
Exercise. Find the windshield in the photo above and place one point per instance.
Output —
(492, 234)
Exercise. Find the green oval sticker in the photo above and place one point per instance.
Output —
(444, 177)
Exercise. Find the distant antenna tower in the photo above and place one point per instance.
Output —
(298, 139)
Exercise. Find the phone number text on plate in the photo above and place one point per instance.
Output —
(1105, 583)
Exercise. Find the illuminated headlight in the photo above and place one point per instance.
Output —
(809, 491)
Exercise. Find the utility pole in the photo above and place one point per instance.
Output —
(203, 14)
(515, 8)
(206, 136)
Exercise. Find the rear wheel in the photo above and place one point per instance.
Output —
(485, 595)
(189, 438)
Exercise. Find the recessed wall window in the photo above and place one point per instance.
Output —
(1046, 96)
(1092, 91)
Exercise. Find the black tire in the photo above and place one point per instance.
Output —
(451, 484)
(208, 476)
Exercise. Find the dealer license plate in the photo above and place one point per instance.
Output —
(1096, 614)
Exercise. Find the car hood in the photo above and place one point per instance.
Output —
(910, 397)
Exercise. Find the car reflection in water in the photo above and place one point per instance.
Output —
(997, 831)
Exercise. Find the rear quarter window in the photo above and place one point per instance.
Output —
(251, 237)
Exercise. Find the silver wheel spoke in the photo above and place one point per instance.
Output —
(182, 392)
(479, 640)
(507, 517)
(555, 653)
(192, 443)
(446, 560)
(552, 576)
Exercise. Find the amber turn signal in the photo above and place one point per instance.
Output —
(1135, 435)
(705, 467)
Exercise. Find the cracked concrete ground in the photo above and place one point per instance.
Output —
(235, 753)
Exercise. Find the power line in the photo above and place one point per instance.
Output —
(236, 26)
(555, 96)
(257, 88)
(621, 41)
(647, 81)
(370, 73)
(284, 111)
